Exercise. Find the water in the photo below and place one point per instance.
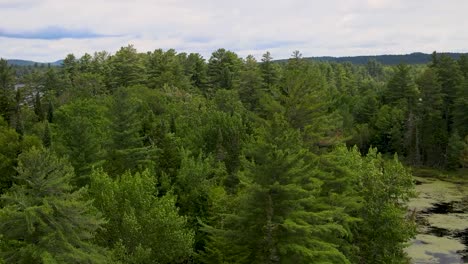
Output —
(442, 214)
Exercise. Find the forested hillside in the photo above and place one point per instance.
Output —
(165, 157)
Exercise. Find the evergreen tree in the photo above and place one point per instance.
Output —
(166, 68)
(269, 70)
(38, 110)
(455, 148)
(80, 132)
(460, 109)
(126, 149)
(223, 69)
(44, 220)
(10, 147)
(250, 83)
(46, 139)
(142, 227)
(7, 79)
(433, 132)
(275, 221)
(196, 69)
(126, 68)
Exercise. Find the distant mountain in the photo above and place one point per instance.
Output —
(32, 63)
(413, 58)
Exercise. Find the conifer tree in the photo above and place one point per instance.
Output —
(223, 69)
(80, 130)
(9, 140)
(276, 220)
(126, 149)
(7, 78)
(251, 83)
(44, 219)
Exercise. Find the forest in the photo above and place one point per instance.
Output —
(165, 157)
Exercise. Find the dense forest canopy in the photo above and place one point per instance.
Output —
(166, 157)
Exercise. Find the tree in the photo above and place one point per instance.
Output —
(401, 86)
(223, 69)
(38, 110)
(303, 100)
(166, 68)
(464, 154)
(460, 109)
(9, 140)
(454, 151)
(7, 79)
(389, 125)
(193, 185)
(433, 127)
(275, 221)
(81, 133)
(46, 138)
(450, 78)
(44, 219)
(126, 149)
(126, 68)
(196, 69)
(269, 70)
(142, 227)
(385, 188)
(250, 83)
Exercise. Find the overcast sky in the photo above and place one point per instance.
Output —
(47, 30)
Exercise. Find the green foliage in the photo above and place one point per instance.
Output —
(80, 131)
(454, 150)
(223, 69)
(166, 68)
(126, 147)
(10, 147)
(141, 227)
(126, 68)
(7, 79)
(389, 122)
(44, 219)
(242, 160)
(385, 188)
(274, 221)
(250, 83)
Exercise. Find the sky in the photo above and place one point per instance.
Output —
(48, 30)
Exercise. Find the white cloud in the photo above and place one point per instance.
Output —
(333, 27)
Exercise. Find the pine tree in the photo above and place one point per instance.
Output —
(251, 83)
(44, 219)
(126, 149)
(80, 132)
(223, 69)
(460, 109)
(126, 68)
(7, 78)
(38, 110)
(455, 147)
(50, 112)
(433, 134)
(270, 72)
(276, 220)
(46, 138)
(196, 68)
(10, 147)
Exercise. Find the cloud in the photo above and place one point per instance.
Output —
(52, 32)
(333, 27)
